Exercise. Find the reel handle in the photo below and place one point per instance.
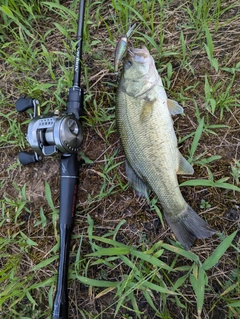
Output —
(26, 158)
(24, 104)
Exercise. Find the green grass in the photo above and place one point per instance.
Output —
(147, 274)
(110, 261)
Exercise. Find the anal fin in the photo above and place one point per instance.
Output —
(184, 167)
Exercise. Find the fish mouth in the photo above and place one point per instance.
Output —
(139, 54)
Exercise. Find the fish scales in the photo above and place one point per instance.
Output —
(143, 115)
(150, 153)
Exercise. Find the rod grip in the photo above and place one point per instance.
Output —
(60, 305)
(68, 196)
(75, 101)
(68, 188)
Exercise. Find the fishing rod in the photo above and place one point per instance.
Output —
(52, 133)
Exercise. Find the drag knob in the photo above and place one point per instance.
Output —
(73, 126)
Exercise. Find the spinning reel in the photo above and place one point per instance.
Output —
(48, 134)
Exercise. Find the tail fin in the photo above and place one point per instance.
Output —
(188, 226)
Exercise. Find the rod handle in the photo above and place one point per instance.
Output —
(75, 101)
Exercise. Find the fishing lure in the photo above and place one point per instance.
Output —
(121, 48)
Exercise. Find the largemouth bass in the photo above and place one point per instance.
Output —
(145, 125)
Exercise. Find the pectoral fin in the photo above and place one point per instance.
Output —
(184, 167)
(147, 110)
(135, 182)
(174, 107)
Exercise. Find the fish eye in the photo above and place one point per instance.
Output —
(128, 64)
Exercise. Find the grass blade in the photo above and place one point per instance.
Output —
(97, 283)
(151, 259)
(196, 139)
(44, 263)
(49, 196)
(182, 252)
(110, 251)
(218, 252)
(197, 279)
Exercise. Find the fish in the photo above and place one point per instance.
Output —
(153, 161)
(122, 47)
